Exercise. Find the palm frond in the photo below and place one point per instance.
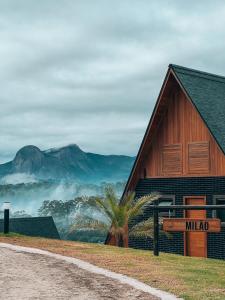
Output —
(110, 194)
(128, 199)
(143, 229)
(138, 207)
(104, 208)
(146, 229)
(85, 222)
(110, 207)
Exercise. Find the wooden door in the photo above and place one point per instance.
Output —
(195, 243)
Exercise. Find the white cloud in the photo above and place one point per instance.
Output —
(89, 72)
(18, 178)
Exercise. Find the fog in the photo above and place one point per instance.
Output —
(30, 196)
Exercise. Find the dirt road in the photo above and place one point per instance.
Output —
(34, 276)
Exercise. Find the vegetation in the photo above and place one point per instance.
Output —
(58, 208)
(90, 218)
(117, 214)
(88, 229)
(38, 191)
(11, 234)
(146, 229)
(20, 214)
(71, 213)
(187, 277)
(16, 214)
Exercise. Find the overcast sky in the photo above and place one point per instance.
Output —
(89, 71)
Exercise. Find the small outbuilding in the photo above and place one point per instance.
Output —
(33, 226)
(182, 156)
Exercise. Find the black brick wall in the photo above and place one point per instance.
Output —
(180, 187)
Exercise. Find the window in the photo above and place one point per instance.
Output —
(172, 159)
(166, 200)
(198, 157)
(220, 214)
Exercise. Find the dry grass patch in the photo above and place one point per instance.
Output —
(190, 278)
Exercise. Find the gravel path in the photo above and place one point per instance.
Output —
(34, 276)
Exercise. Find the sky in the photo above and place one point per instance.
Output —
(89, 72)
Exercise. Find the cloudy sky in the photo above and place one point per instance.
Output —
(89, 71)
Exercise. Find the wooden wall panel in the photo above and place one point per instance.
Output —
(172, 159)
(198, 157)
(181, 124)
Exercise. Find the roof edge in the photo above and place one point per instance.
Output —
(192, 102)
(174, 66)
(143, 140)
(147, 130)
(171, 68)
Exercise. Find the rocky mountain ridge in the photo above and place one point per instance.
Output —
(68, 163)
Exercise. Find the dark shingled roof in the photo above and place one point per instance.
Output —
(207, 92)
(37, 226)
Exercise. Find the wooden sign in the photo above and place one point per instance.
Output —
(186, 224)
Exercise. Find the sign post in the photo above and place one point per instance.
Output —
(156, 231)
(184, 224)
(6, 207)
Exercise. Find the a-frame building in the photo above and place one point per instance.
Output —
(182, 156)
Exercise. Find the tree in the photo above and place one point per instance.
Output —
(54, 208)
(21, 214)
(88, 229)
(146, 229)
(120, 213)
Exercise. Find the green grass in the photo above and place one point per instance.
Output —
(187, 277)
(11, 234)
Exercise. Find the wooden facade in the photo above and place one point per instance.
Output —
(178, 143)
(182, 157)
(195, 243)
(183, 145)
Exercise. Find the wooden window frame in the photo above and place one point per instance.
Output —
(181, 158)
(188, 159)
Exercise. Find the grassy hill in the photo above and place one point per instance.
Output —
(187, 277)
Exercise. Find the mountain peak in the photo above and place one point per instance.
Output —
(67, 163)
(28, 159)
(68, 154)
(72, 147)
(28, 150)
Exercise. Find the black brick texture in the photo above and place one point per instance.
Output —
(180, 187)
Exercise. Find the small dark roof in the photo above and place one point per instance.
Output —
(207, 92)
(36, 226)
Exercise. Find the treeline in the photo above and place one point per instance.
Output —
(13, 189)
(70, 215)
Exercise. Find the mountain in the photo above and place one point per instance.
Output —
(68, 163)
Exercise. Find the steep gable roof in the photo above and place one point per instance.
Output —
(207, 93)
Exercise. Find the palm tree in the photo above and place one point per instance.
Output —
(146, 229)
(84, 222)
(120, 213)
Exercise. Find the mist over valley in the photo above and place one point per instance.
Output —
(61, 182)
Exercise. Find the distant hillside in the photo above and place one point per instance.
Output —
(29, 196)
(68, 163)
